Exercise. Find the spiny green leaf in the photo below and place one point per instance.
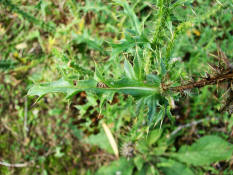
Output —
(153, 79)
(91, 43)
(179, 3)
(61, 86)
(64, 86)
(130, 13)
(122, 46)
(129, 42)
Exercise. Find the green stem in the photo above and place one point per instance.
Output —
(162, 18)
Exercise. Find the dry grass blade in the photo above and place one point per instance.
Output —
(222, 57)
(111, 139)
(16, 165)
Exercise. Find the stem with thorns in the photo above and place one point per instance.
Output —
(198, 84)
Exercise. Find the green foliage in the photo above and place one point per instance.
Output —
(172, 167)
(48, 27)
(135, 24)
(120, 166)
(101, 141)
(202, 152)
(205, 151)
(125, 86)
(113, 61)
(7, 64)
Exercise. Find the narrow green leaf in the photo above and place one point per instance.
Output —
(130, 13)
(139, 105)
(163, 67)
(151, 103)
(98, 76)
(129, 71)
(169, 114)
(137, 66)
(160, 115)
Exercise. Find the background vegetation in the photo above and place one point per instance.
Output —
(115, 62)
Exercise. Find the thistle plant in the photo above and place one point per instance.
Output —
(148, 67)
(134, 73)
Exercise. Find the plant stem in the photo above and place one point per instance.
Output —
(208, 81)
(162, 16)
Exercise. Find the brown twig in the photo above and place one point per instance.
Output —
(228, 76)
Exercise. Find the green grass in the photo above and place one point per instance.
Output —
(95, 62)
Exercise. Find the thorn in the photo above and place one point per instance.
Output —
(231, 66)
(213, 55)
(214, 68)
(225, 93)
(207, 75)
(34, 104)
(225, 59)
